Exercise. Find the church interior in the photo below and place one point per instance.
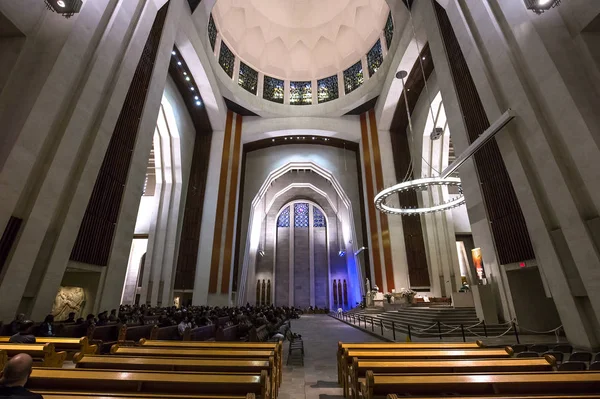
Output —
(300, 199)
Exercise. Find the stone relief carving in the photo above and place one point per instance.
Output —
(68, 299)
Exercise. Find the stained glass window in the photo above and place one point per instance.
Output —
(300, 214)
(353, 77)
(300, 93)
(388, 30)
(248, 78)
(327, 89)
(375, 58)
(318, 218)
(284, 218)
(212, 32)
(226, 59)
(273, 90)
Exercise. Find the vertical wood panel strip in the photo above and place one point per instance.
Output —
(370, 196)
(385, 230)
(233, 187)
(216, 251)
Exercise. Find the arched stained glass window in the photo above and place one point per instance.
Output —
(375, 58)
(353, 77)
(301, 214)
(212, 32)
(318, 218)
(284, 218)
(388, 30)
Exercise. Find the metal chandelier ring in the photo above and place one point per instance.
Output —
(419, 184)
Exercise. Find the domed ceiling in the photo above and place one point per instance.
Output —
(300, 39)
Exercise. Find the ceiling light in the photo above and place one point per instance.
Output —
(173, 52)
(178, 62)
(67, 8)
(539, 6)
(272, 139)
(424, 58)
(185, 73)
(192, 88)
(198, 103)
(196, 98)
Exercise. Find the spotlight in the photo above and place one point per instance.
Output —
(198, 103)
(539, 6)
(67, 8)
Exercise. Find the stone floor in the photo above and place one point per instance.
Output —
(317, 379)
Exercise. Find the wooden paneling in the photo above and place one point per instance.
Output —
(373, 232)
(96, 233)
(418, 270)
(9, 237)
(218, 232)
(504, 213)
(385, 230)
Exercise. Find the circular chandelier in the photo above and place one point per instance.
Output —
(539, 6)
(420, 184)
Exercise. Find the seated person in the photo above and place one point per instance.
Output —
(183, 325)
(16, 323)
(113, 316)
(47, 327)
(70, 319)
(15, 376)
(25, 334)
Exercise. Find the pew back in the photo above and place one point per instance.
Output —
(90, 395)
(43, 355)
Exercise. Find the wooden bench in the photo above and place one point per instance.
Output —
(360, 367)
(218, 366)
(203, 333)
(91, 395)
(400, 346)
(170, 333)
(380, 385)
(72, 330)
(227, 334)
(135, 333)
(416, 354)
(259, 334)
(151, 382)
(3, 359)
(277, 347)
(43, 355)
(69, 345)
(106, 336)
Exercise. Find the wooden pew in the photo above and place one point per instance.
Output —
(360, 367)
(218, 366)
(570, 396)
(91, 395)
(201, 353)
(380, 385)
(3, 359)
(203, 333)
(69, 345)
(277, 347)
(135, 333)
(43, 355)
(416, 354)
(259, 334)
(222, 321)
(169, 333)
(72, 330)
(106, 336)
(147, 382)
(400, 346)
(227, 334)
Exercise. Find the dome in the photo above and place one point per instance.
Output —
(300, 40)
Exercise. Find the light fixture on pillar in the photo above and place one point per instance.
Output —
(342, 251)
(539, 6)
(67, 8)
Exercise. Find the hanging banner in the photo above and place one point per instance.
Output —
(478, 263)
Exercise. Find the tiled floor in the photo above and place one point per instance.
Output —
(318, 378)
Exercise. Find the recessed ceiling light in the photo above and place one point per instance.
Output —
(424, 58)
(178, 62)
(192, 88)
(195, 98)
(198, 103)
(61, 3)
(187, 78)
(173, 52)
(272, 139)
(185, 73)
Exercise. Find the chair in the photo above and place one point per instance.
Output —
(595, 366)
(528, 354)
(572, 366)
(557, 355)
(296, 344)
(519, 348)
(539, 348)
(580, 357)
(563, 348)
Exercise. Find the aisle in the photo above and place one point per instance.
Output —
(318, 378)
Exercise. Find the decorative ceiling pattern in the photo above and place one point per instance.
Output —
(300, 39)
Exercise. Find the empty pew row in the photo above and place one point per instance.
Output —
(69, 345)
(497, 384)
(277, 347)
(44, 355)
(48, 381)
(360, 367)
(400, 346)
(91, 395)
(395, 355)
(209, 352)
(214, 366)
